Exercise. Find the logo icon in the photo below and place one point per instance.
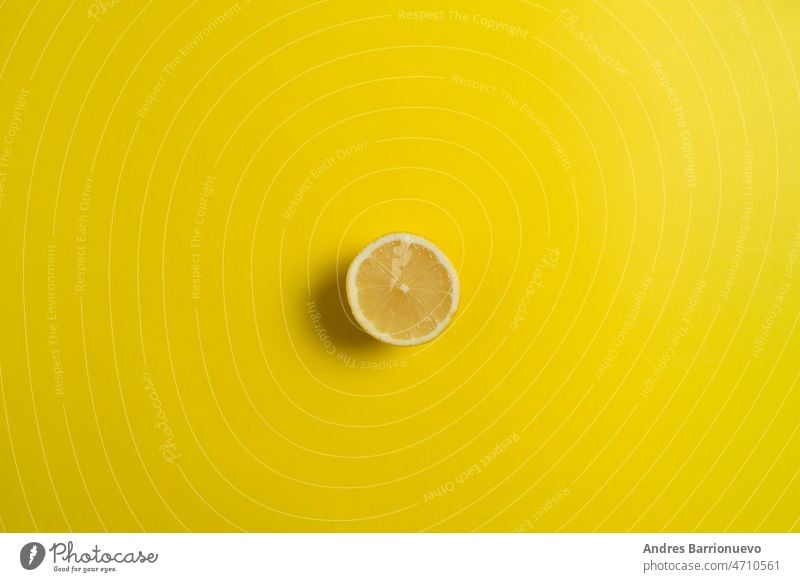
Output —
(31, 555)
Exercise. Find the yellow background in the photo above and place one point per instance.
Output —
(616, 183)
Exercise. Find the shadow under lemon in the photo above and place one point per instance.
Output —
(331, 321)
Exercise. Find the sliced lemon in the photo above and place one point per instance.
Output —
(402, 289)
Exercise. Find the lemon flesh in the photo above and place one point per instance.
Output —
(402, 289)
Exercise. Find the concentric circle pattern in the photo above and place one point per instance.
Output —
(182, 187)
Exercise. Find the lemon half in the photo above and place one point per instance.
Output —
(402, 289)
